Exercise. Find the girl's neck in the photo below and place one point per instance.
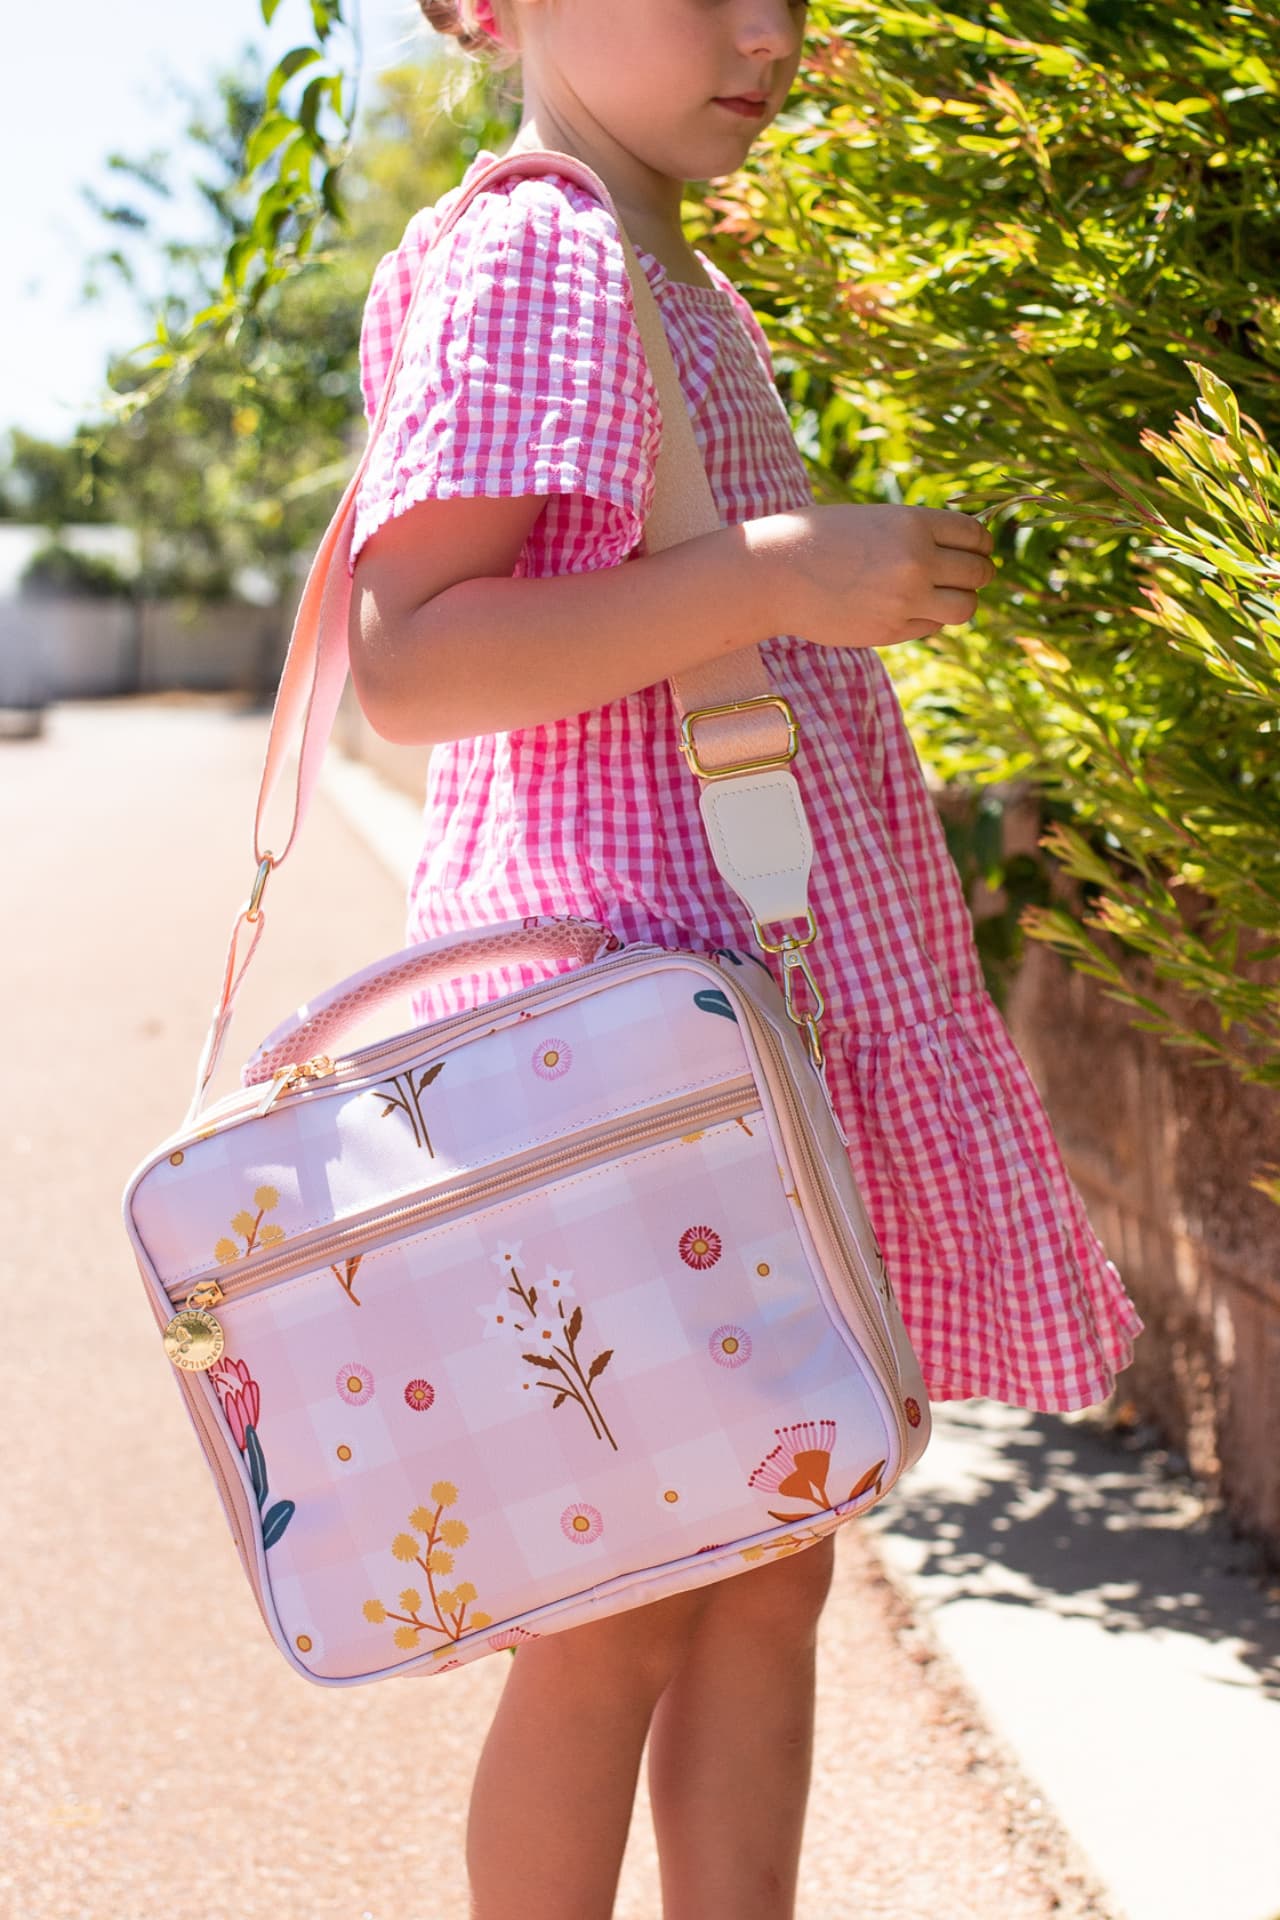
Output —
(648, 202)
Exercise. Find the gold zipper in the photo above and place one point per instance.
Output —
(676, 1118)
(865, 1296)
(250, 1102)
(294, 1079)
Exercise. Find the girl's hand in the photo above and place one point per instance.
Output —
(850, 576)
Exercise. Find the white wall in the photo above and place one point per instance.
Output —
(75, 648)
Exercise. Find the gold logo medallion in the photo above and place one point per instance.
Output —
(194, 1340)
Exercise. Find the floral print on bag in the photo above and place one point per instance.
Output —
(404, 1095)
(522, 1310)
(445, 1608)
(240, 1401)
(251, 1230)
(799, 1465)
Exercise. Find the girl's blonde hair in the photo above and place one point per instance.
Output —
(461, 20)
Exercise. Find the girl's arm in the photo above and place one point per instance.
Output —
(445, 644)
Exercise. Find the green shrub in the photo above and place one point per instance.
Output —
(1025, 259)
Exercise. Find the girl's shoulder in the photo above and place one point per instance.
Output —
(535, 239)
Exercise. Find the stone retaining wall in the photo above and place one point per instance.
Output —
(1163, 1152)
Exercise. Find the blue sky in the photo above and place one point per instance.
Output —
(86, 78)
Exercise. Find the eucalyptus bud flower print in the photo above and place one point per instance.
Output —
(799, 1467)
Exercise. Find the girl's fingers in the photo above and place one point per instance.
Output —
(947, 607)
(951, 529)
(954, 567)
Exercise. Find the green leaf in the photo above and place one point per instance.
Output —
(293, 62)
(269, 134)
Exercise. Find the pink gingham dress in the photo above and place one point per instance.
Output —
(524, 373)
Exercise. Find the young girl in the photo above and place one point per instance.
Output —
(494, 617)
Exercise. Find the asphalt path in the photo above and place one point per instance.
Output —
(160, 1760)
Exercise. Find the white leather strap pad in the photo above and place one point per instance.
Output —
(761, 840)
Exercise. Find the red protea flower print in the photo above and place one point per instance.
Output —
(238, 1394)
(551, 1058)
(912, 1410)
(419, 1394)
(730, 1346)
(800, 1463)
(700, 1246)
(355, 1384)
(581, 1524)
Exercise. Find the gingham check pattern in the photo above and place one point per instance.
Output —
(525, 374)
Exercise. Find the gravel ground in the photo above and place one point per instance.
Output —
(162, 1762)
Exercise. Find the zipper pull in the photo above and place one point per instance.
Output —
(193, 1339)
(276, 1085)
(289, 1079)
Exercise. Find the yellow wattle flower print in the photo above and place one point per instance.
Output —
(251, 1230)
(443, 1612)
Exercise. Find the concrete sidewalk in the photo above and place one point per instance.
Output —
(161, 1761)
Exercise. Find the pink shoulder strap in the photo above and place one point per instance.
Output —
(316, 666)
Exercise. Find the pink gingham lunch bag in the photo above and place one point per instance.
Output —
(557, 1305)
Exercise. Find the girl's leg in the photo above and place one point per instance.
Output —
(552, 1798)
(731, 1745)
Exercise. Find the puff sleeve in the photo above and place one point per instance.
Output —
(523, 372)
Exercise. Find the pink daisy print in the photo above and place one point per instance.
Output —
(700, 1246)
(355, 1384)
(419, 1394)
(551, 1059)
(730, 1346)
(581, 1524)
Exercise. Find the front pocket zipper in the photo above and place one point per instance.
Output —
(371, 1062)
(467, 1192)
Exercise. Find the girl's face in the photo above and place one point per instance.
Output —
(651, 74)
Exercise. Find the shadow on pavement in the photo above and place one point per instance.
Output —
(1036, 1510)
